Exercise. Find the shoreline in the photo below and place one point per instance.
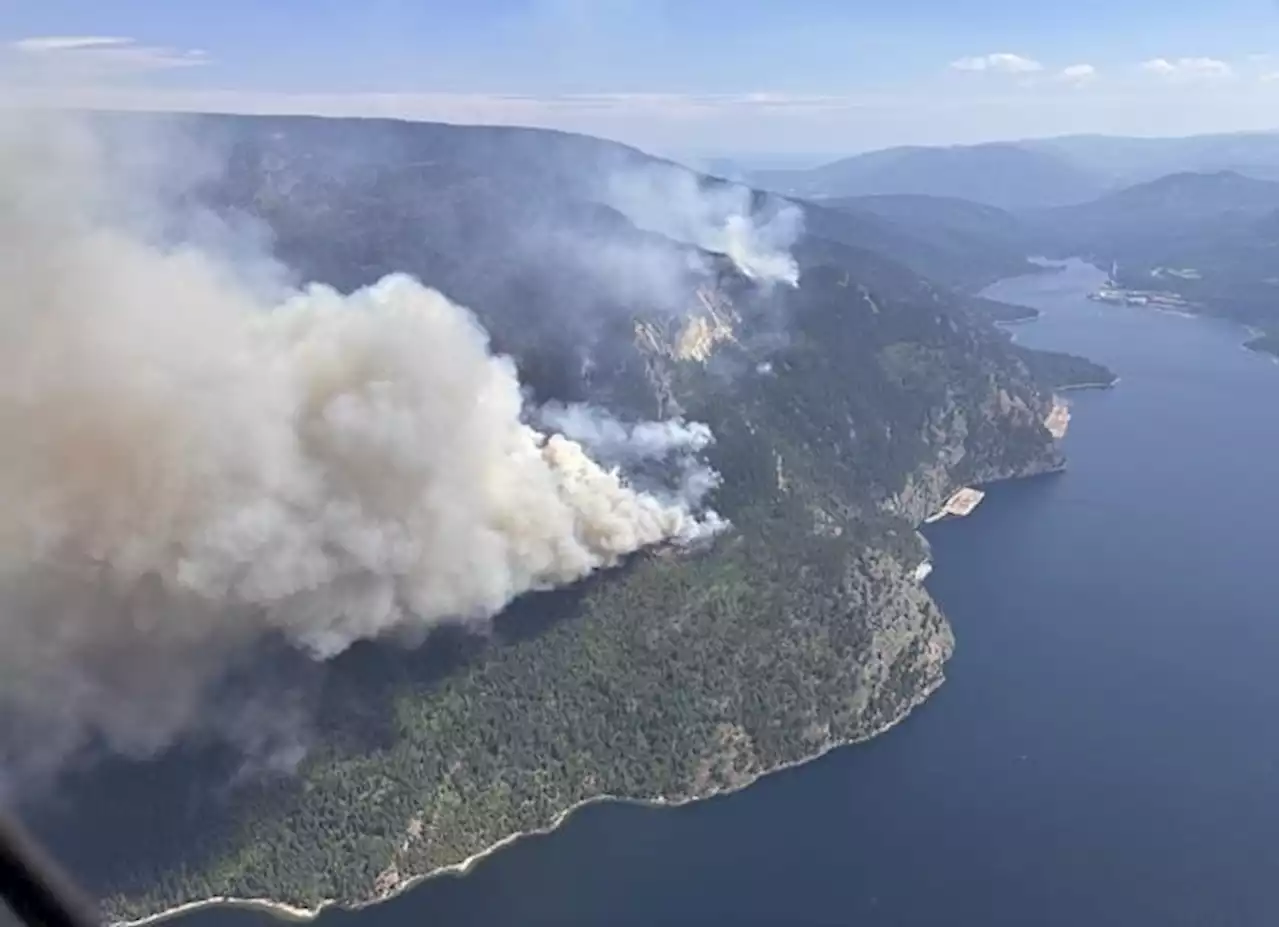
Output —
(278, 909)
(295, 914)
(1020, 320)
(1099, 385)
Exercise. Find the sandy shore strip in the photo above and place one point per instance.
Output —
(288, 912)
(1099, 385)
(295, 913)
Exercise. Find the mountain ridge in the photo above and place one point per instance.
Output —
(998, 173)
(1029, 173)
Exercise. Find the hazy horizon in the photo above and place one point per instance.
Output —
(754, 160)
(814, 77)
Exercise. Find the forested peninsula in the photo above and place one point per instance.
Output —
(845, 410)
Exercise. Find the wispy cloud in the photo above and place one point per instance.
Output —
(1078, 74)
(1188, 69)
(57, 43)
(1000, 62)
(498, 108)
(104, 52)
(654, 120)
(760, 120)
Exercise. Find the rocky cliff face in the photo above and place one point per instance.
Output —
(953, 466)
(850, 479)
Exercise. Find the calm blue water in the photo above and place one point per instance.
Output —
(1101, 753)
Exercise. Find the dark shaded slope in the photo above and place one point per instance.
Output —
(957, 242)
(1059, 370)
(1123, 161)
(948, 217)
(1210, 238)
(1165, 207)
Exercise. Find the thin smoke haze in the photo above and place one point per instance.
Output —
(675, 202)
(191, 466)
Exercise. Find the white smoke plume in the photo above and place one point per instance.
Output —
(631, 445)
(672, 201)
(189, 467)
(612, 439)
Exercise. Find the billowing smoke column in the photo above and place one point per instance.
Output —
(614, 440)
(673, 445)
(188, 468)
(675, 202)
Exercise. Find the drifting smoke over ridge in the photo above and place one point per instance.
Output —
(675, 202)
(190, 467)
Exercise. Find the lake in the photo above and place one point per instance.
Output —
(1101, 752)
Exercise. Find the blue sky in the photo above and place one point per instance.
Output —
(706, 76)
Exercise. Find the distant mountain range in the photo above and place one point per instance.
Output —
(1002, 174)
(1028, 174)
(1210, 237)
(1158, 214)
(1196, 216)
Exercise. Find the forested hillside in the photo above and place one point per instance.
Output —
(1211, 238)
(844, 411)
(961, 243)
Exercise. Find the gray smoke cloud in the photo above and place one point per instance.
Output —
(193, 463)
(720, 217)
(684, 480)
(612, 439)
